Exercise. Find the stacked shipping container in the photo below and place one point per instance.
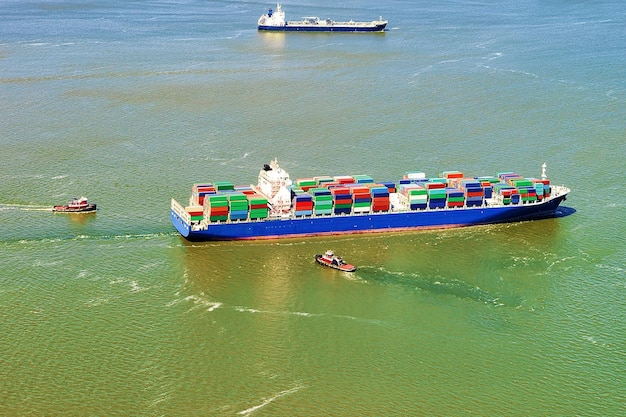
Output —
(344, 194)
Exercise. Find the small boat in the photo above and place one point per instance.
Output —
(76, 205)
(274, 20)
(329, 259)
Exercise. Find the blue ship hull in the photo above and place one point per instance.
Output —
(366, 223)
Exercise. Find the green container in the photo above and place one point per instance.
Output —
(216, 197)
(456, 199)
(258, 213)
(239, 205)
(237, 197)
(224, 185)
(323, 204)
(521, 182)
(437, 193)
(323, 211)
(306, 183)
(258, 201)
(363, 179)
(196, 218)
(323, 198)
(218, 218)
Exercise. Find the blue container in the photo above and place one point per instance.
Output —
(378, 191)
(437, 203)
(238, 215)
(389, 184)
(454, 193)
(204, 193)
(470, 184)
(418, 206)
(346, 210)
(316, 192)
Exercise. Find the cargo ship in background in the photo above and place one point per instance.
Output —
(277, 207)
(274, 20)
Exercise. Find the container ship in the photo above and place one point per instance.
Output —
(277, 207)
(274, 20)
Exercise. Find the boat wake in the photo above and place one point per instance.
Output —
(83, 237)
(204, 304)
(435, 285)
(24, 207)
(270, 399)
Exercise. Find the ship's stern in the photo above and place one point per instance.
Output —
(180, 219)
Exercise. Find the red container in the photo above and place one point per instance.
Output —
(451, 175)
(434, 185)
(344, 179)
(362, 196)
(360, 189)
(340, 191)
(381, 205)
(304, 205)
(218, 211)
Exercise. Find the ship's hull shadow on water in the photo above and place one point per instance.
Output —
(564, 211)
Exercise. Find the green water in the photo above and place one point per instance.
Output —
(131, 103)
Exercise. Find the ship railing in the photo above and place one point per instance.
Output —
(180, 211)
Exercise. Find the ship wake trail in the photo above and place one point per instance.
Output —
(269, 400)
(24, 207)
(435, 285)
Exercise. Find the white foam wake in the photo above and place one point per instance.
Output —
(269, 400)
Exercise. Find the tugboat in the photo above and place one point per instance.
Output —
(329, 259)
(76, 205)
